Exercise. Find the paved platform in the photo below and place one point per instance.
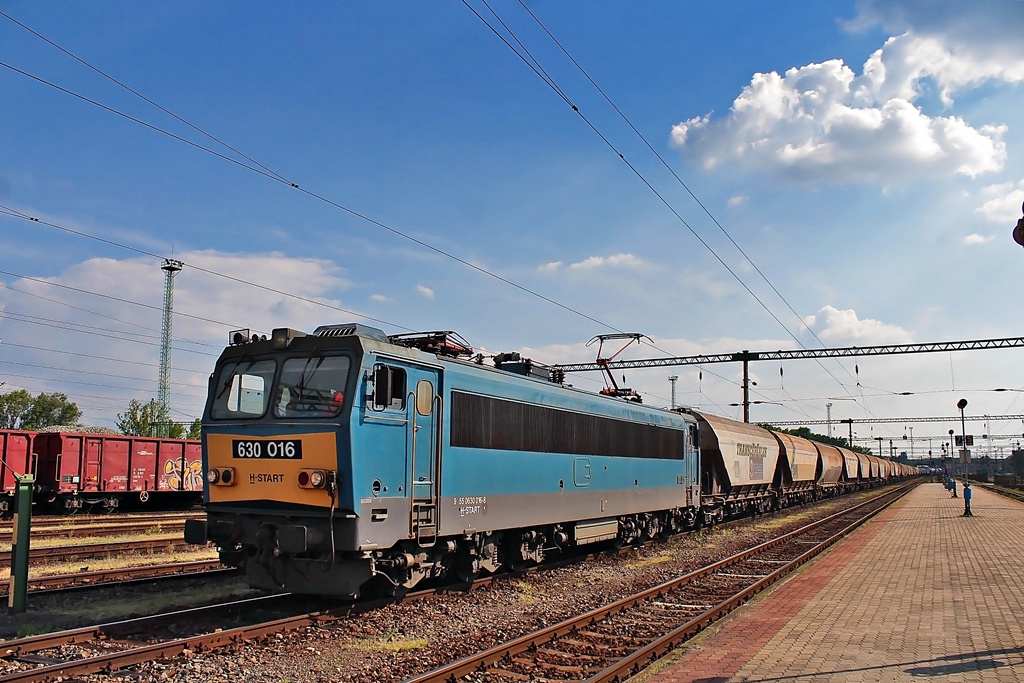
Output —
(917, 593)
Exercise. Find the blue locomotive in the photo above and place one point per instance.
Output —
(346, 457)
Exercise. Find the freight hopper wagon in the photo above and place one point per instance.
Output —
(829, 470)
(738, 466)
(800, 472)
(106, 472)
(345, 460)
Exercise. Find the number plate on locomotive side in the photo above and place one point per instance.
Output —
(281, 449)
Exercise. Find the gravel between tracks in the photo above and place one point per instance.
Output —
(402, 640)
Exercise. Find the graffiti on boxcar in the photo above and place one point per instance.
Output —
(189, 480)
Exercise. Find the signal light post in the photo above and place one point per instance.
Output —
(965, 457)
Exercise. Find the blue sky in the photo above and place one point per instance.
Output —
(866, 157)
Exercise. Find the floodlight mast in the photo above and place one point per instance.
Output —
(163, 427)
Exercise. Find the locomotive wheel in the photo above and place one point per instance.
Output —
(465, 571)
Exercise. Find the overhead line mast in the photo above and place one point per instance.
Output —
(163, 428)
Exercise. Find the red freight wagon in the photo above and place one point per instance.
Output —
(76, 471)
(15, 459)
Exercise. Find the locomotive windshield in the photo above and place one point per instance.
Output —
(242, 389)
(311, 387)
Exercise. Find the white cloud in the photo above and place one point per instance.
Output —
(975, 238)
(616, 260)
(738, 200)
(1006, 203)
(983, 36)
(111, 309)
(906, 62)
(425, 291)
(550, 267)
(379, 298)
(844, 328)
(823, 121)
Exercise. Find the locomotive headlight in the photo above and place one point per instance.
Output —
(221, 477)
(312, 479)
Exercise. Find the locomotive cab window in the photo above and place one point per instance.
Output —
(242, 389)
(424, 397)
(388, 388)
(312, 387)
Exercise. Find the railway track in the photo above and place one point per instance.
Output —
(79, 525)
(108, 647)
(100, 530)
(616, 641)
(1003, 491)
(77, 553)
(70, 521)
(91, 580)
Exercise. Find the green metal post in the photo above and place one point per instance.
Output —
(17, 591)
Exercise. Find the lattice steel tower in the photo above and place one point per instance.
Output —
(170, 268)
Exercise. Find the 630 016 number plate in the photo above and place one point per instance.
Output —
(279, 449)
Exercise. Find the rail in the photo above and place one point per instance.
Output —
(579, 647)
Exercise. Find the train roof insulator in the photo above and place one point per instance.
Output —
(515, 363)
(442, 343)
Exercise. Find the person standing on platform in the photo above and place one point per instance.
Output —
(952, 488)
(967, 499)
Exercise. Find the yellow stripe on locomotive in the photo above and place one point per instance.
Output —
(296, 469)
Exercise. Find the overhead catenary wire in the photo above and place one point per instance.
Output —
(281, 178)
(679, 180)
(61, 326)
(266, 172)
(313, 195)
(95, 357)
(79, 371)
(534, 66)
(192, 266)
(88, 384)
